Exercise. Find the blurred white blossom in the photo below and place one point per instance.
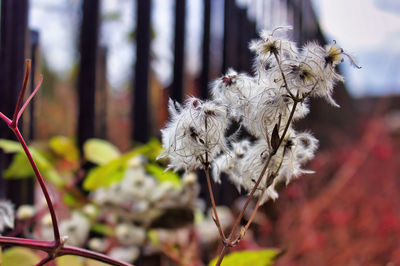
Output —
(7, 215)
(25, 212)
(76, 228)
(127, 254)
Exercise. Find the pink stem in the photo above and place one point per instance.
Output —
(54, 248)
(44, 260)
(21, 93)
(30, 97)
(49, 247)
(41, 182)
(5, 118)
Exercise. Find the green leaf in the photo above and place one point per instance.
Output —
(105, 175)
(103, 229)
(151, 149)
(69, 260)
(100, 151)
(70, 200)
(19, 167)
(154, 149)
(52, 175)
(114, 170)
(64, 147)
(19, 256)
(265, 257)
(10, 146)
(152, 235)
(168, 176)
(90, 262)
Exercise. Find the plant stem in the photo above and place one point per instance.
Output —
(216, 220)
(283, 75)
(239, 218)
(254, 212)
(21, 93)
(250, 197)
(48, 246)
(54, 248)
(56, 231)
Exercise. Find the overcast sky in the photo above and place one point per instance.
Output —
(367, 29)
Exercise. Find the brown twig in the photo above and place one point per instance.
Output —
(215, 218)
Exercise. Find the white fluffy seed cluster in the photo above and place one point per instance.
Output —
(285, 76)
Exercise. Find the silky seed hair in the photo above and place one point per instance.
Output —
(284, 76)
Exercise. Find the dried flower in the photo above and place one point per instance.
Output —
(195, 134)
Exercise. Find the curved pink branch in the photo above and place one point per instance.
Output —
(22, 92)
(41, 183)
(30, 97)
(54, 248)
(48, 246)
(5, 118)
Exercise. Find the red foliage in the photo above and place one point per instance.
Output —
(348, 213)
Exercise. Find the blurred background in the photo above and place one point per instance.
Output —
(110, 66)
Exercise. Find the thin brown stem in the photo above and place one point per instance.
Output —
(253, 213)
(250, 197)
(283, 76)
(216, 218)
(288, 124)
(239, 218)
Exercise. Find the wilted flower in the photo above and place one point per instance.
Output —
(264, 106)
(235, 91)
(195, 134)
(230, 163)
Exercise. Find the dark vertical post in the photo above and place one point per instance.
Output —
(140, 131)
(87, 69)
(300, 21)
(230, 42)
(101, 95)
(14, 17)
(244, 38)
(179, 50)
(34, 49)
(205, 69)
(26, 186)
